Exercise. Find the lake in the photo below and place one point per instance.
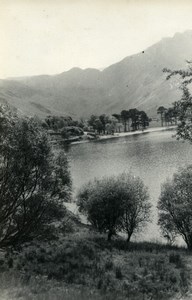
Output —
(152, 156)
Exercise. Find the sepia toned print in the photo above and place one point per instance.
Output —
(95, 150)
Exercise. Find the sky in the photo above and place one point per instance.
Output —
(53, 36)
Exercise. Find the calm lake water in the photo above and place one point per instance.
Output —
(152, 156)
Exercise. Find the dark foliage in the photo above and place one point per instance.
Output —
(34, 182)
(116, 204)
(175, 208)
(183, 107)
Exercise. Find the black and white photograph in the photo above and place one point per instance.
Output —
(95, 150)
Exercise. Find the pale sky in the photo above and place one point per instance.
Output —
(53, 36)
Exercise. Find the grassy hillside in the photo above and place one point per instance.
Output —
(83, 265)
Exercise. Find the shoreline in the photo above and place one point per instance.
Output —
(124, 134)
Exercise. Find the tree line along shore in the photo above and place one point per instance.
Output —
(67, 130)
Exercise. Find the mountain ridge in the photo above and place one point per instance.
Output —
(137, 81)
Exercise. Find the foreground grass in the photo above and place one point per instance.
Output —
(13, 286)
(86, 266)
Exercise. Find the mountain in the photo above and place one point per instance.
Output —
(135, 82)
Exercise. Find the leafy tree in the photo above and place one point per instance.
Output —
(82, 123)
(92, 121)
(111, 125)
(161, 110)
(58, 123)
(7, 120)
(110, 128)
(70, 131)
(119, 127)
(104, 119)
(143, 120)
(136, 204)
(134, 115)
(124, 116)
(100, 201)
(115, 204)
(183, 107)
(175, 112)
(103, 123)
(98, 125)
(34, 182)
(65, 133)
(170, 115)
(118, 122)
(128, 119)
(117, 116)
(167, 117)
(175, 206)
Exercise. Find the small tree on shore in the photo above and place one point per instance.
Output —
(136, 205)
(115, 204)
(125, 117)
(175, 206)
(161, 110)
(100, 202)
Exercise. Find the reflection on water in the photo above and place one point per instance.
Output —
(152, 156)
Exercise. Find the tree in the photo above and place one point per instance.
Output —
(115, 204)
(175, 206)
(109, 128)
(168, 117)
(118, 122)
(136, 205)
(98, 125)
(117, 116)
(143, 119)
(111, 125)
(99, 201)
(104, 119)
(124, 115)
(34, 181)
(175, 112)
(134, 115)
(70, 131)
(161, 110)
(128, 116)
(65, 133)
(91, 121)
(183, 107)
(119, 127)
(59, 122)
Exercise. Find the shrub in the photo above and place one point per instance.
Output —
(33, 181)
(136, 205)
(118, 273)
(175, 209)
(115, 204)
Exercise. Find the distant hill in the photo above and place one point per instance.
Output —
(135, 82)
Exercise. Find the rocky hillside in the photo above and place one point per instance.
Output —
(135, 82)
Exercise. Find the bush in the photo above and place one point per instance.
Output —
(115, 204)
(118, 273)
(175, 258)
(33, 181)
(136, 205)
(175, 209)
(76, 261)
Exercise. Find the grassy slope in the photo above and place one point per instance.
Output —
(84, 265)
